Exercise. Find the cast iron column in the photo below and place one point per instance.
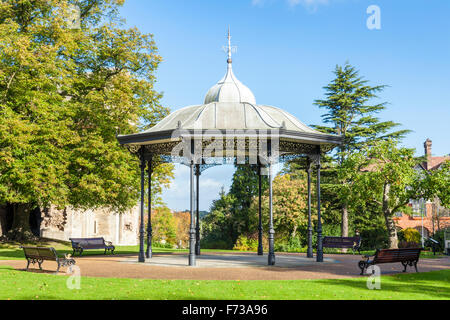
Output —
(197, 196)
(319, 218)
(271, 230)
(260, 229)
(309, 253)
(149, 252)
(192, 227)
(141, 228)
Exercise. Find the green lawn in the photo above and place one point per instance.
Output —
(12, 251)
(18, 285)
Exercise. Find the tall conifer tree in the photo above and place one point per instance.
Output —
(350, 113)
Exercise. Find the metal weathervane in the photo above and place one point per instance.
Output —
(229, 49)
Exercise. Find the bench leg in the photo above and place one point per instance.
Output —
(362, 265)
(40, 264)
(105, 251)
(415, 266)
(28, 263)
(405, 264)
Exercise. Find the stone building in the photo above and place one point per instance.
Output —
(435, 216)
(121, 229)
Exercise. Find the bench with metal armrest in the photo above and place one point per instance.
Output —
(81, 244)
(39, 255)
(406, 256)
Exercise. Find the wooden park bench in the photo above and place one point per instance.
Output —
(406, 256)
(353, 243)
(39, 255)
(81, 244)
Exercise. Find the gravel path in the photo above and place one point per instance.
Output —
(224, 266)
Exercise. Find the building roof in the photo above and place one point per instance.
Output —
(231, 116)
(230, 105)
(435, 163)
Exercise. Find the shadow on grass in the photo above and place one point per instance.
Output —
(426, 283)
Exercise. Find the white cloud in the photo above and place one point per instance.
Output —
(309, 4)
(211, 183)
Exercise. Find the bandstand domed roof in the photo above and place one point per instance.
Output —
(230, 105)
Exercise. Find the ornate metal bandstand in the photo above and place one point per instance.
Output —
(229, 128)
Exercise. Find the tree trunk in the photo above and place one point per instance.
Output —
(294, 232)
(390, 224)
(3, 213)
(344, 223)
(21, 230)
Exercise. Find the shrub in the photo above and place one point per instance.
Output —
(374, 238)
(289, 245)
(214, 244)
(244, 243)
(412, 235)
(162, 244)
(439, 236)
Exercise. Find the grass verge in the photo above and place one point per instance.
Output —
(20, 285)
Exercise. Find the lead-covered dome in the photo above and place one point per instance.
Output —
(230, 89)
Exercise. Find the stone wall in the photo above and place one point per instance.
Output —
(121, 229)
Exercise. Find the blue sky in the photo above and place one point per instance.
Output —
(287, 50)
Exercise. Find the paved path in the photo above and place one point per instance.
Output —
(223, 266)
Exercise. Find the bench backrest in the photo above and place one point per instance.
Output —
(340, 241)
(397, 255)
(87, 243)
(40, 253)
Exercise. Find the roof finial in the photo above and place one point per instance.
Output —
(229, 46)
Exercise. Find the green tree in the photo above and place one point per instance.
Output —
(386, 180)
(289, 205)
(217, 227)
(436, 183)
(244, 187)
(164, 225)
(66, 90)
(349, 113)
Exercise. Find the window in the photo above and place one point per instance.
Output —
(418, 208)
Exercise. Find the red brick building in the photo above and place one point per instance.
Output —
(435, 216)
